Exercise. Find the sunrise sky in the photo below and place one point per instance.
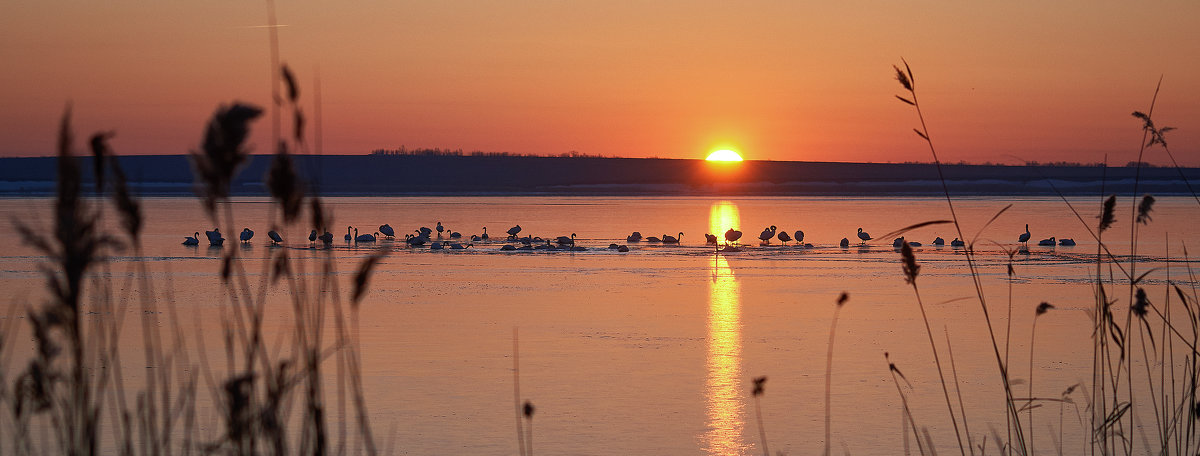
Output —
(779, 80)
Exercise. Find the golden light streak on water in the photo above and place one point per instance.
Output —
(723, 384)
(722, 216)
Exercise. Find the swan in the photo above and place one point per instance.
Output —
(784, 237)
(653, 239)
(729, 249)
(349, 237)
(864, 236)
(1024, 237)
(957, 243)
(1047, 242)
(455, 235)
(327, 238)
(363, 237)
(767, 234)
(613, 246)
(799, 236)
(898, 242)
(312, 237)
(564, 240)
(485, 235)
(914, 243)
(192, 240)
(507, 247)
(512, 232)
(710, 239)
(457, 246)
(939, 241)
(275, 237)
(623, 249)
(635, 237)
(387, 230)
(667, 239)
(437, 245)
(845, 243)
(1066, 242)
(246, 235)
(414, 241)
(476, 238)
(732, 235)
(214, 237)
(424, 231)
(439, 229)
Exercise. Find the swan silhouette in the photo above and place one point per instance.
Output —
(863, 236)
(349, 237)
(957, 243)
(485, 235)
(455, 235)
(710, 239)
(312, 237)
(784, 237)
(939, 241)
(275, 237)
(1048, 242)
(214, 237)
(415, 241)
(457, 246)
(246, 235)
(326, 238)
(387, 230)
(364, 237)
(512, 232)
(668, 239)
(845, 242)
(566, 240)
(1067, 242)
(1024, 237)
(799, 236)
(767, 234)
(440, 229)
(635, 237)
(192, 240)
(732, 235)
(898, 242)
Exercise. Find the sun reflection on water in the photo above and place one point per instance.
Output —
(723, 385)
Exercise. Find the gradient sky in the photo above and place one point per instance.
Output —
(785, 80)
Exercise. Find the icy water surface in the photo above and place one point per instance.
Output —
(652, 351)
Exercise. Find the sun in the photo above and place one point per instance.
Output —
(724, 155)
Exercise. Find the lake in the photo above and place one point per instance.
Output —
(652, 351)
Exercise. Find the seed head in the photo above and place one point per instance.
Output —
(758, 385)
(1140, 304)
(1144, 209)
(909, 264)
(1106, 216)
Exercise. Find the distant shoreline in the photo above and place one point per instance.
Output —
(431, 175)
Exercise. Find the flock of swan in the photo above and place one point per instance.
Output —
(514, 242)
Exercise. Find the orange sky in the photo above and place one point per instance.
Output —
(779, 80)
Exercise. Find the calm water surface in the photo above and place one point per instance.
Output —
(653, 351)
